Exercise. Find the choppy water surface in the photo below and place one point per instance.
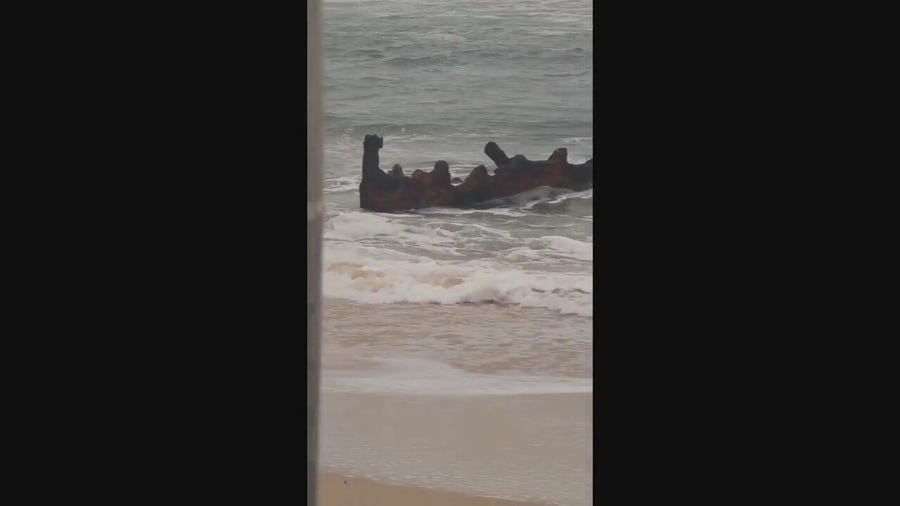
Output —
(438, 80)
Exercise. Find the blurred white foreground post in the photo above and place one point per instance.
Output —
(314, 216)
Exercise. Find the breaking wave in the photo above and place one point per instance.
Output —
(382, 259)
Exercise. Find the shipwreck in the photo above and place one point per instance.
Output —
(394, 191)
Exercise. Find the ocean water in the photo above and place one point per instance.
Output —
(438, 81)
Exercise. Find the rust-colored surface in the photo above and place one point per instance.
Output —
(395, 191)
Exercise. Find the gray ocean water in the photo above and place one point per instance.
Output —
(439, 80)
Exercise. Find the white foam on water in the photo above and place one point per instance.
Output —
(427, 281)
(341, 184)
(547, 195)
(386, 258)
(383, 237)
(564, 246)
(584, 195)
(448, 211)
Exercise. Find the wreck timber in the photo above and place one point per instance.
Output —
(395, 191)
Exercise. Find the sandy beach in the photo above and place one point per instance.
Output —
(529, 448)
(458, 423)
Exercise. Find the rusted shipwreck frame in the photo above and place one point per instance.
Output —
(394, 191)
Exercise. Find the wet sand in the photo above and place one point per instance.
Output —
(479, 338)
(338, 490)
(534, 448)
(466, 423)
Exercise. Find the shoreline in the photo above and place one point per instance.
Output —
(429, 405)
(337, 489)
(526, 448)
